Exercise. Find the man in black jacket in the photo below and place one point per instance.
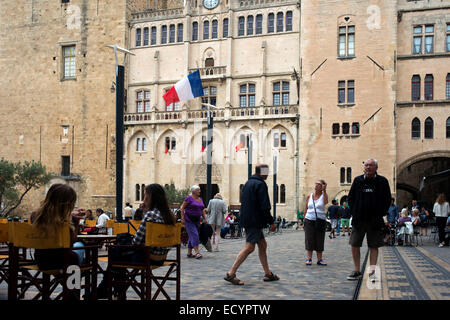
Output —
(369, 200)
(255, 216)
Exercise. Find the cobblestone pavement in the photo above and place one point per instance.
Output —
(418, 273)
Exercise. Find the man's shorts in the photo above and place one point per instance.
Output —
(345, 223)
(254, 235)
(333, 223)
(375, 237)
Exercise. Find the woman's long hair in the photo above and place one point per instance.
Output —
(158, 200)
(55, 210)
(441, 198)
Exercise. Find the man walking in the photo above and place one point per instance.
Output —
(255, 216)
(333, 215)
(369, 200)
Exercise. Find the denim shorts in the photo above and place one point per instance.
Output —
(254, 235)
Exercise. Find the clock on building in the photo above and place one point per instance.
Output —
(210, 4)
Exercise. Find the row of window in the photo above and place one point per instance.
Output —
(336, 128)
(428, 128)
(428, 87)
(423, 39)
(140, 192)
(248, 25)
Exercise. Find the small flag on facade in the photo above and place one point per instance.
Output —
(167, 150)
(239, 146)
(188, 88)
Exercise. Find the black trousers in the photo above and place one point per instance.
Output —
(441, 222)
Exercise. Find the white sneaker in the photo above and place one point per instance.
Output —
(372, 277)
(441, 245)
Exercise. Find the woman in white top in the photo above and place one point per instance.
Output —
(441, 210)
(315, 207)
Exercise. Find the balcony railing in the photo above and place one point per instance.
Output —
(211, 72)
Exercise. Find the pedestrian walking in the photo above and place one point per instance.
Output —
(315, 222)
(255, 216)
(333, 212)
(345, 218)
(216, 211)
(369, 200)
(192, 210)
(441, 211)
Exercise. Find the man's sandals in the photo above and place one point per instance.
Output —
(271, 277)
(233, 279)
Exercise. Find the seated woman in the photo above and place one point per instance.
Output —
(55, 210)
(401, 230)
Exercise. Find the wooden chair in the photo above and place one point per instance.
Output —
(157, 235)
(24, 274)
(90, 223)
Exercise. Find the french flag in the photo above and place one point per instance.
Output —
(186, 89)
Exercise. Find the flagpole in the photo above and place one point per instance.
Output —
(209, 149)
(250, 151)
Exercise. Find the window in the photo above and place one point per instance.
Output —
(447, 128)
(143, 101)
(447, 38)
(423, 36)
(346, 45)
(349, 87)
(144, 144)
(195, 31)
(145, 36)
(447, 87)
(180, 32)
(138, 37)
(138, 144)
(247, 95)
(65, 166)
(429, 124)
(214, 29)
(241, 26)
(276, 139)
(163, 34)
(153, 36)
(415, 128)
(172, 33)
(345, 128)
(289, 21)
(342, 175)
(259, 21)
(429, 87)
(282, 193)
(270, 23)
(281, 93)
(280, 22)
(355, 128)
(138, 192)
(203, 143)
(283, 140)
(173, 143)
(141, 144)
(346, 174)
(170, 143)
(205, 30)
(415, 88)
(249, 25)
(142, 192)
(210, 96)
(69, 61)
(349, 175)
(335, 128)
(225, 28)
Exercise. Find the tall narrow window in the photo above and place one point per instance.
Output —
(153, 36)
(65, 166)
(195, 31)
(283, 140)
(282, 193)
(259, 21)
(415, 128)
(447, 87)
(138, 192)
(447, 38)
(335, 128)
(172, 33)
(205, 30)
(163, 34)
(241, 26)
(342, 175)
(214, 31)
(280, 22)
(167, 143)
(349, 175)
(69, 61)
(429, 39)
(447, 128)
(276, 139)
(180, 32)
(225, 28)
(138, 37)
(144, 144)
(346, 44)
(341, 91)
(138, 144)
(429, 128)
(417, 40)
(289, 21)
(415, 88)
(350, 91)
(146, 36)
(270, 23)
(249, 25)
(173, 144)
(429, 87)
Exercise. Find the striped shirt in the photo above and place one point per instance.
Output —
(139, 239)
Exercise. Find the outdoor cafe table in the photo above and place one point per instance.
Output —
(96, 238)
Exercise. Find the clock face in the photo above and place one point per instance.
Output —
(210, 4)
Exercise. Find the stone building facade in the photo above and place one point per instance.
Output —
(321, 85)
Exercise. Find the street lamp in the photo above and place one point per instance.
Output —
(120, 71)
(209, 151)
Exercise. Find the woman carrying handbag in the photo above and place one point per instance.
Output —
(315, 222)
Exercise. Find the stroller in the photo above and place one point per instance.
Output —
(407, 232)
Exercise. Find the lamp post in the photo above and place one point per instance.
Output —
(120, 72)
(275, 191)
(209, 145)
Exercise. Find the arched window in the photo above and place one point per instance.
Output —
(447, 128)
(283, 193)
(138, 192)
(349, 175)
(214, 29)
(163, 34)
(153, 36)
(280, 22)
(415, 128)
(447, 86)
(276, 139)
(289, 21)
(195, 31)
(271, 23)
(429, 124)
(415, 88)
(342, 175)
(259, 21)
(145, 36)
(138, 37)
(138, 144)
(180, 32)
(172, 33)
(429, 87)
(144, 144)
(241, 26)
(249, 25)
(205, 30)
(225, 28)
